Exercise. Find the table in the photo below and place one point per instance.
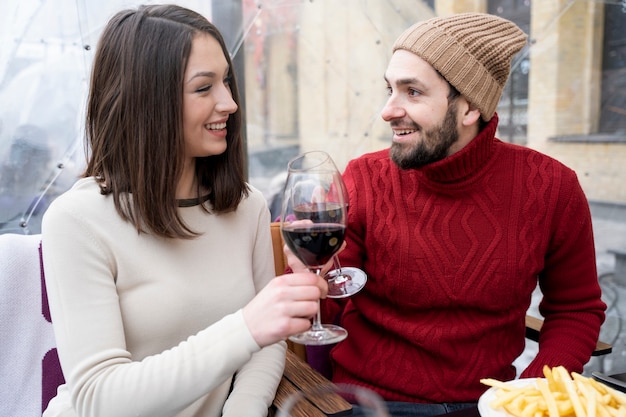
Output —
(466, 412)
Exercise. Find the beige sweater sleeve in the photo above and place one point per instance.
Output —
(147, 326)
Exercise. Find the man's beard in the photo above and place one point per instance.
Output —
(433, 147)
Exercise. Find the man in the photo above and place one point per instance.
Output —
(455, 229)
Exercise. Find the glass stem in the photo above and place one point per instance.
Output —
(337, 263)
(317, 319)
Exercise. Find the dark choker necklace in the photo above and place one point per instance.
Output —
(190, 202)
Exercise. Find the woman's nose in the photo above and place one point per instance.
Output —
(226, 103)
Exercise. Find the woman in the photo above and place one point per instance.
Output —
(158, 261)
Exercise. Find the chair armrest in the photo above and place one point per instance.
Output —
(533, 327)
(299, 376)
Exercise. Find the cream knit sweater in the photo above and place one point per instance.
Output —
(153, 327)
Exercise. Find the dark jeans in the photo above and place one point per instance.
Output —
(401, 409)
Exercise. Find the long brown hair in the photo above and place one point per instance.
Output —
(134, 128)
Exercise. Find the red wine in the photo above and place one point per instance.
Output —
(315, 243)
(318, 212)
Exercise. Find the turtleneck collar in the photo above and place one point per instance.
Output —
(468, 160)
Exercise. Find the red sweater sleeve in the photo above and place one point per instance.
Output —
(570, 299)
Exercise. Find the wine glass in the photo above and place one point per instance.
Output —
(344, 281)
(303, 403)
(313, 224)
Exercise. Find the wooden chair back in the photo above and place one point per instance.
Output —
(280, 260)
(280, 266)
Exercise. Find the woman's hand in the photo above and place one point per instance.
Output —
(284, 307)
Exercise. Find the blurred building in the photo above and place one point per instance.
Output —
(314, 80)
(311, 74)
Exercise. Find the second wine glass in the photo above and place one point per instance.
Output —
(344, 281)
(313, 223)
(347, 397)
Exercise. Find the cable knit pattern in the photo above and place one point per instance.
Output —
(453, 252)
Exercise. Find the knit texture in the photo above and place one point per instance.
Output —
(473, 51)
(147, 326)
(453, 253)
(25, 331)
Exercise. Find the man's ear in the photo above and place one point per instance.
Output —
(471, 115)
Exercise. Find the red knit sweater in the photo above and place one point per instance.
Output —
(453, 252)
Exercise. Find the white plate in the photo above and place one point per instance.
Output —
(488, 396)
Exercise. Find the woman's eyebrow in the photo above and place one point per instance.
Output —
(209, 74)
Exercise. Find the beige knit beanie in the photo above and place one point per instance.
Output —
(473, 51)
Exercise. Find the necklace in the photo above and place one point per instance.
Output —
(190, 202)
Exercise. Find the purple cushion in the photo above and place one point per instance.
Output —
(52, 375)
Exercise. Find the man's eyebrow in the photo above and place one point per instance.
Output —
(407, 81)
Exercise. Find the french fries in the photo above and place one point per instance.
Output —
(559, 394)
